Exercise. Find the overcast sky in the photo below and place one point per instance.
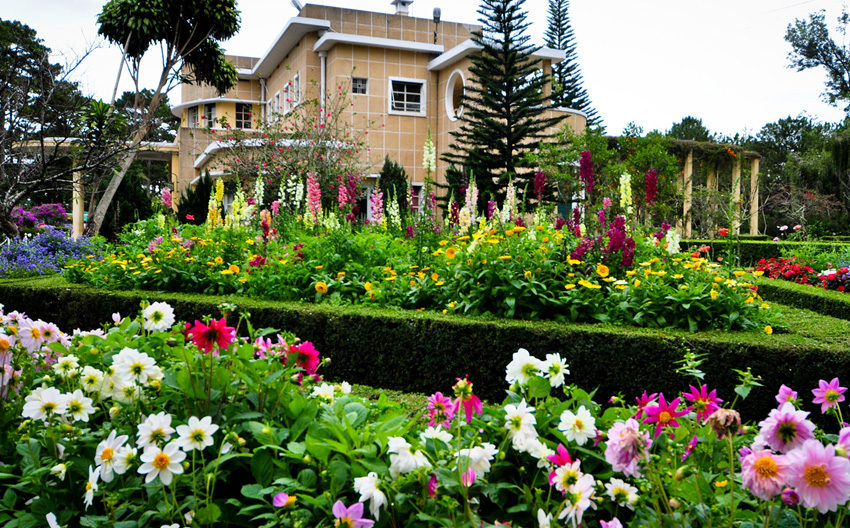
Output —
(651, 62)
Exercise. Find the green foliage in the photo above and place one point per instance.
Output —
(394, 183)
(567, 84)
(812, 46)
(195, 201)
(690, 128)
(503, 105)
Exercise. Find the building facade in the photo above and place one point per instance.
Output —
(404, 75)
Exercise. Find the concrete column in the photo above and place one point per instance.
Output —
(712, 184)
(754, 196)
(77, 206)
(688, 190)
(736, 195)
(547, 71)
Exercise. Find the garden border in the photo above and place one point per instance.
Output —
(426, 351)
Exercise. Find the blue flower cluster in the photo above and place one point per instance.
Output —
(43, 254)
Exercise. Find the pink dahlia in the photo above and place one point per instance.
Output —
(764, 473)
(821, 477)
(842, 448)
(663, 414)
(560, 458)
(643, 400)
(829, 394)
(786, 428)
(217, 333)
(470, 402)
(702, 402)
(625, 447)
(306, 356)
(786, 395)
(440, 409)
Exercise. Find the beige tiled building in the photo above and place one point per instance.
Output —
(405, 74)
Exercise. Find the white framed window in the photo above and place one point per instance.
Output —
(209, 115)
(295, 93)
(455, 88)
(287, 99)
(274, 108)
(192, 117)
(407, 96)
(359, 85)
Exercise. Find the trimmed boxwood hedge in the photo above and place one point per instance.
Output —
(425, 352)
(827, 302)
(751, 251)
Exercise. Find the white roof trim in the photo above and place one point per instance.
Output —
(468, 46)
(569, 111)
(292, 33)
(177, 110)
(329, 40)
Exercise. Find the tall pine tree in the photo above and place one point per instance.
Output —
(504, 105)
(568, 90)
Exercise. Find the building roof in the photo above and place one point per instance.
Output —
(468, 46)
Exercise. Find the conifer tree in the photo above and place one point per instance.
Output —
(567, 90)
(504, 105)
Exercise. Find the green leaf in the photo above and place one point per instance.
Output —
(786, 519)
(262, 466)
(307, 478)
(208, 514)
(538, 387)
(9, 498)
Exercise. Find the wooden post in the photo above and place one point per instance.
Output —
(736, 196)
(754, 196)
(77, 207)
(688, 181)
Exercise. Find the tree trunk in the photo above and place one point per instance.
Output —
(96, 220)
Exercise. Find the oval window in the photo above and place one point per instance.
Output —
(455, 88)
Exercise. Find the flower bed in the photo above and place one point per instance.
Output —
(44, 253)
(175, 410)
(543, 271)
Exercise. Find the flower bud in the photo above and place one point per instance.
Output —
(267, 431)
(307, 459)
(46, 379)
(241, 441)
(683, 472)
(725, 422)
(790, 497)
(114, 411)
(186, 465)
(674, 504)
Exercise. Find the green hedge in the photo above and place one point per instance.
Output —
(751, 251)
(826, 302)
(425, 352)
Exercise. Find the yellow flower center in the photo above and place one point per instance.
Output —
(88, 486)
(36, 333)
(198, 435)
(816, 476)
(579, 424)
(766, 467)
(107, 454)
(664, 417)
(161, 461)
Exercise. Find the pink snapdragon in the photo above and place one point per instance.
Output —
(377, 202)
(314, 197)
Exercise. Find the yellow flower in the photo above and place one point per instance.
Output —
(573, 262)
(721, 483)
(519, 229)
(219, 260)
(437, 253)
(321, 287)
(434, 277)
(683, 287)
(714, 294)
(602, 270)
(758, 273)
(440, 283)
(450, 253)
(765, 306)
(678, 276)
(372, 294)
(719, 279)
(233, 268)
(250, 241)
(452, 305)
(588, 284)
(545, 239)
(749, 300)
(768, 329)
(413, 283)
(390, 278)
(340, 275)
(243, 280)
(569, 286)
(368, 286)
(637, 283)
(319, 267)
(631, 273)
(509, 232)
(443, 242)
(527, 274)
(461, 239)
(505, 257)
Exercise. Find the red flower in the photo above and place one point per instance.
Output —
(306, 356)
(217, 333)
(470, 402)
(723, 231)
(190, 217)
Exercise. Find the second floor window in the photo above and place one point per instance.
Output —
(407, 97)
(359, 85)
(243, 115)
(192, 117)
(209, 115)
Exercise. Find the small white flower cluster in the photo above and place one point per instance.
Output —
(327, 393)
(626, 193)
(524, 366)
(672, 239)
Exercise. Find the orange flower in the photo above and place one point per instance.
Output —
(450, 253)
(321, 287)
